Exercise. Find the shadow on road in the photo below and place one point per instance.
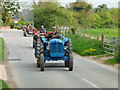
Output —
(32, 67)
(27, 47)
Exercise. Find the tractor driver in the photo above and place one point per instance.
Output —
(55, 34)
(42, 29)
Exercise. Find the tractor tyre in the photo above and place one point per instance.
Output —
(24, 34)
(69, 49)
(38, 63)
(70, 45)
(70, 62)
(33, 43)
(66, 63)
(42, 62)
(38, 52)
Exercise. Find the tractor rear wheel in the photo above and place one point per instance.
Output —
(70, 62)
(38, 52)
(42, 62)
(38, 63)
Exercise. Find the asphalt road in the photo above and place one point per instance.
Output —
(22, 64)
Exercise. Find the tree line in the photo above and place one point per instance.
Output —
(75, 15)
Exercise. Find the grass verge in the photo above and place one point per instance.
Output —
(1, 49)
(3, 85)
(114, 60)
(85, 46)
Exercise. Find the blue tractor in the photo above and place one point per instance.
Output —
(54, 49)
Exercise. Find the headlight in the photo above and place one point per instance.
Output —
(38, 35)
(47, 47)
(65, 47)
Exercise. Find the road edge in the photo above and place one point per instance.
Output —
(10, 81)
(96, 61)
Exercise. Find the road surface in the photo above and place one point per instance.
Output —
(22, 64)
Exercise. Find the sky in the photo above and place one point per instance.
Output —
(95, 3)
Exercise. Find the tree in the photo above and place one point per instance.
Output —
(97, 21)
(52, 14)
(101, 8)
(105, 16)
(23, 18)
(80, 6)
(83, 13)
(8, 10)
(114, 15)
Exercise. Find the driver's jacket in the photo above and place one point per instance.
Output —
(42, 30)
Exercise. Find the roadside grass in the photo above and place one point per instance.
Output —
(114, 60)
(85, 46)
(104, 55)
(111, 61)
(1, 49)
(3, 85)
(99, 31)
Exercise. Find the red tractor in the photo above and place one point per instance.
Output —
(30, 30)
(38, 35)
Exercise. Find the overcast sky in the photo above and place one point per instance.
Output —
(95, 3)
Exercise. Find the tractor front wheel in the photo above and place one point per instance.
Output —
(33, 43)
(70, 62)
(66, 63)
(38, 65)
(25, 33)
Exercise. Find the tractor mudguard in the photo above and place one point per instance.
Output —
(66, 40)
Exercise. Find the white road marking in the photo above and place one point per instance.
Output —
(90, 83)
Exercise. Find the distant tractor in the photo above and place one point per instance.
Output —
(54, 49)
(29, 31)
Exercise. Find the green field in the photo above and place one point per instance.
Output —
(85, 46)
(1, 50)
(100, 31)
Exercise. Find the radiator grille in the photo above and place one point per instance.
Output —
(56, 48)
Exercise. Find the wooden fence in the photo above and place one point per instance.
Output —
(110, 44)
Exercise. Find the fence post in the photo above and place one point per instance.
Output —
(97, 37)
(102, 40)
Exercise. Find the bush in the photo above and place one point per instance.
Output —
(18, 27)
(22, 23)
(86, 46)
